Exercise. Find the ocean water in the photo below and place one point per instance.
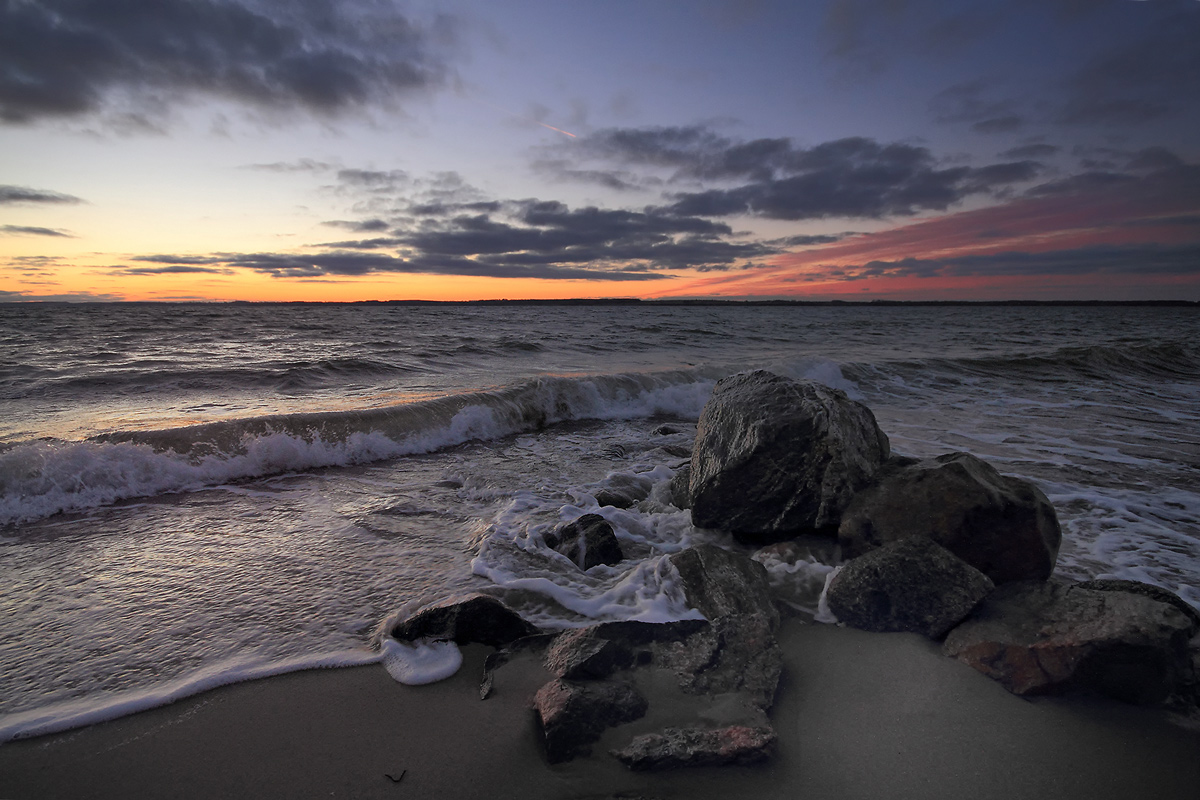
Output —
(194, 494)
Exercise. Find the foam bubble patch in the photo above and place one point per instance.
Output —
(420, 662)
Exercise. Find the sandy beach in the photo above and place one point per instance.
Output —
(859, 715)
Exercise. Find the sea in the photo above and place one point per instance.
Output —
(198, 494)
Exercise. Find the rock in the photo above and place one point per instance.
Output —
(1149, 590)
(666, 430)
(694, 747)
(587, 653)
(573, 715)
(1049, 637)
(587, 541)
(464, 619)
(776, 457)
(913, 585)
(624, 490)
(1004, 527)
(681, 491)
(740, 653)
(726, 587)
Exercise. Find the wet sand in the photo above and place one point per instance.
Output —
(859, 715)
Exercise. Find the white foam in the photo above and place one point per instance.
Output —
(90, 710)
(824, 614)
(421, 662)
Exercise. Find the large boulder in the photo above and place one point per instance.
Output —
(1004, 527)
(776, 457)
(739, 652)
(587, 541)
(573, 715)
(465, 619)
(697, 747)
(913, 585)
(1045, 637)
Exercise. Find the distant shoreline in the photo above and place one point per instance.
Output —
(633, 301)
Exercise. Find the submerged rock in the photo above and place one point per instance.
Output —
(465, 619)
(913, 585)
(573, 715)
(624, 491)
(696, 747)
(1050, 637)
(1004, 527)
(776, 457)
(587, 541)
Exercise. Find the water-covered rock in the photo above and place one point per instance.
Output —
(695, 747)
(1038, 637)
(464, 619)
(776, 457)
(573, 715)
(913, 585)
(1004, 527)
(740, 653)
(624, 490)
(587, 541)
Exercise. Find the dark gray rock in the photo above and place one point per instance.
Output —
(727, 588)
(776, 457)
(696, 747)
(739, 653)
(681, 490)
(1149, 590)
(465, 619)
(913, 585)
(573, 715)
(1004, 527)
(1038, 637)
(587, 541)
(587, 653)
(624, 490)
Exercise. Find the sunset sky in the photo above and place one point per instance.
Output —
(370, 149)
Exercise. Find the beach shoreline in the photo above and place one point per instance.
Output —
(859, 715)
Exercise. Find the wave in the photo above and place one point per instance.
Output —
(147, 375)
(46, 477)
(1165, 361)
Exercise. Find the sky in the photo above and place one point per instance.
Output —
(378, 150)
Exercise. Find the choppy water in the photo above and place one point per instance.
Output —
(192, 494)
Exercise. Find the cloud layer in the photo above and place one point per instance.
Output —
(63, 58)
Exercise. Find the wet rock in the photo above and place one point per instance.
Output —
(1149, 590)
(681, 492)
(913, 585)
(624, 491)
(776, 457)
(1050, 637)
(694, 747)
(573, 715)
(1004, 527)
(464, 619)
(587, 541)
(740, 652)
(587, 653)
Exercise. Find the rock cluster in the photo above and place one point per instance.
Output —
(944, 547)
(732, 655)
